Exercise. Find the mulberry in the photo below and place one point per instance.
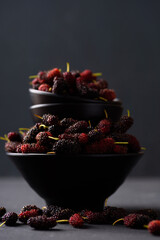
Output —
(78, 127)
(66, 146)
(24, 216)
(154, 227)
(136, 220)
(108, 94)
(95, 218)
(59, 86)
(2, 212)
(55, 130)
(67, 122)
(53, 73)
(133, 144)
(51, 210)
(42, 222)
(11, 146)
(120, 149)
(49, 120)
(29, 207)
(113, 213)
(10, 218)
(95, 135)
(43, 138)
(44, 87)
(123, 125)
(149, 212)
(31, 134)
(104, 126)
(13, 136)
(76, 221)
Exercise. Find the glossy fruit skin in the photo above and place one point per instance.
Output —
(76, 221)
(154, 227)
(10, 218)
(42, 222)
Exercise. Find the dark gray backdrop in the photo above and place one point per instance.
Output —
(119, 38)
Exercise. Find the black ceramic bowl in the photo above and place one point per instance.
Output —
(41, 97)
(80, 111)
(75, 181)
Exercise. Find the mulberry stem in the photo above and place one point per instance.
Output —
(101, 98)
(145, 226)
(121, 219)
(143, 148)
(33, 76)
(54, 138)
(50, 152)
(89, 122)
(128, 113)
(42, 125)
(37, 116)
(97, 74)
(68, 66)
(61, 221)
(106, 114)
(2, 224)
(121, 143)
(105, 203)
(21, 129)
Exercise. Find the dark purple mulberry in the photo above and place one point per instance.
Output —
(114, 213)
(95, 135)
(78, 127)
(2, 212)
(59, 85)
(49, 119)
(67, 122)
(10, 218)
(136, 220)
(123, 125)
(42, 222)
(31, 134)
(66, 146)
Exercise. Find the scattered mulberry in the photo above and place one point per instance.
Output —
(51, 210)
(123, 125)
(104, 126)
(13, 136)
(42, 222)
(64, 214)
(10, 218)
(49, 120)
(2, 212)
(11, 146)
(120, 149)
(24, 216)
(136, 220)
(76, 221)
(66, 146)
(149, 212)
(44, 87)
(114, 213)
(95, 218)
(154, 227)
(108, 94)
(29, 207)
(59, 85)
(78, 127)
(31, 134)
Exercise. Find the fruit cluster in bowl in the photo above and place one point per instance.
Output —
(83, 84)
(67, 135)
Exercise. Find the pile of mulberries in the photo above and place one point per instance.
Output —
(50, 216)
(75, 83)
(69, 135)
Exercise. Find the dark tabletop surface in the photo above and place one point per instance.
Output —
(133, 194)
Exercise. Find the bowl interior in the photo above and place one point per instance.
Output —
(75, 181)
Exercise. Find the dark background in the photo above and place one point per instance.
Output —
(119, 38)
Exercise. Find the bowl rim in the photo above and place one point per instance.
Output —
(69, 97)
(141, 153)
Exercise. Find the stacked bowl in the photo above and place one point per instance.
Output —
(79, 181)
